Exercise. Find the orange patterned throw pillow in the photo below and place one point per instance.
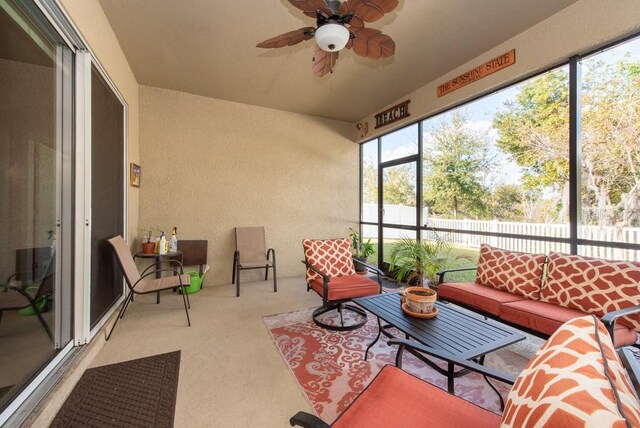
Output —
(517, 273)
(575, 379)
(594, 286)
(332, 257)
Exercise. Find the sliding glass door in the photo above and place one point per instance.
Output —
(35, 182)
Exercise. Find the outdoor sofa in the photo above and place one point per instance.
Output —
(575, 379)
(539, 293)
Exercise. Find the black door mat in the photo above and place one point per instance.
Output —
(136, 393)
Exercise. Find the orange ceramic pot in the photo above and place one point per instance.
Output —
(420, 299)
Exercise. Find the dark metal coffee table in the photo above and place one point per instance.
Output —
(452, 332)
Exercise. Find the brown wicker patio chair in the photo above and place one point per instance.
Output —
(251, 253)
(142, 283)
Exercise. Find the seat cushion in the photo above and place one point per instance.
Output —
(395, 398)
(547, 318)
(512, 271)
(486, 299)
(575, 379)
(333, 257)
(594, 286)
(347, 287)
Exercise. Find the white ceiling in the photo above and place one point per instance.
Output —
(207, 47)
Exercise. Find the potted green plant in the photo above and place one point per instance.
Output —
(361, 250)
(419, 262)
(149, 246)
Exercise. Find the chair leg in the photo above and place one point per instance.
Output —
(184, 300)
(126, 306)
(266, 272)
(275, 281)
(42, 321)
(120, 314)
(235, 263)
(184, 290)
(238, 280)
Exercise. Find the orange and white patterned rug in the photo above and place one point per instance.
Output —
(330, 370)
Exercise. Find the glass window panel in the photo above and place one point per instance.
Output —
(609, 253)
(370, 181)
(500, 163)
(610, 146)
(399, 194)
(391, 236)
(29, 170)
(107, 194)
(371, 233)
(400, 143)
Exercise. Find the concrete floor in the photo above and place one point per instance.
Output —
(231, 374)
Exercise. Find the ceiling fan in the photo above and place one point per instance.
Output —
(339, 24)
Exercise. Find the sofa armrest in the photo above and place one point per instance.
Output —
(442, 273)
(609, 319)
(467, 364)
(307, 420)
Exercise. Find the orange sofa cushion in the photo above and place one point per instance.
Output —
(547, 318)
(594, 286)
(397, 399)
(332, 257)
(347, 287)
(477, 296)
(568, 383)
(517, 273)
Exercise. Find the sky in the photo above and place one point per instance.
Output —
(404, 142)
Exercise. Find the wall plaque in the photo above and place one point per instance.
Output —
(393, 114)
(483, 70)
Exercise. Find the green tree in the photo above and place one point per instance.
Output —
(399, 185)
(369, 182)
(455, 164)
(507, 203)
(534, 131)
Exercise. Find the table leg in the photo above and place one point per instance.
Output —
(366, 354)
(450, 379)
(158, 275)
(481, 361)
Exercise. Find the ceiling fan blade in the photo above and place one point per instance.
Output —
(288, 39)
(371, 43)
(323, 62)
(309, 7)
(366, 10)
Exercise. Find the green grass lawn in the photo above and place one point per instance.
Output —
(459, 257)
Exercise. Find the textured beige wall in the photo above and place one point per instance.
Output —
(210, 165)
(580, 28)
(97, 32)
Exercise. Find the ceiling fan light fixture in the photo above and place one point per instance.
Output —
(332, 37)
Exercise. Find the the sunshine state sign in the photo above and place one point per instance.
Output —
(483, 70)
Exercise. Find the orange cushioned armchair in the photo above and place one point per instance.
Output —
(575, 380)
(331, 274)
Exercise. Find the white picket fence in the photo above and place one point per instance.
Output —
(396, 214)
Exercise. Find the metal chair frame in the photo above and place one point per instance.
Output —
(340, 305)
(143, 278)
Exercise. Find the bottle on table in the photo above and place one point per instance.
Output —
(173, 244)
(163, 244)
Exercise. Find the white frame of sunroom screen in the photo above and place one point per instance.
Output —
(73, 227)
(574, 148)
